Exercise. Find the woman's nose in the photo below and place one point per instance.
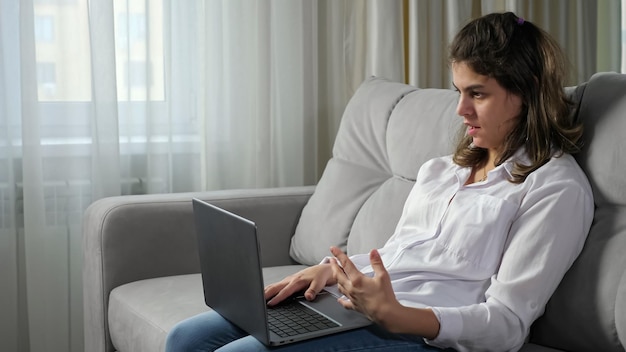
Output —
(463, 108)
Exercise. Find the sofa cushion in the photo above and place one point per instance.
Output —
(587, 311)
(423, 125)
(141, 314)
(358, 167)
(386, 133)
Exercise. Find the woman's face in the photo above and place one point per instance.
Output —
(488, 110)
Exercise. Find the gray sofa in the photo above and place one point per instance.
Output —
(140, 260)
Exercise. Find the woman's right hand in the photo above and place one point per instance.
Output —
(312, 279)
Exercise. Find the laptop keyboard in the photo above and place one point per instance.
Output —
(295, 319)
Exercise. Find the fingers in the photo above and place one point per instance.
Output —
(315, 288)
(377, 263)
(273, 289)
(283, 294)
(361, 293)
(346, 303)
(346, 264)
(313, 279)
(277, 293)
(345, 274)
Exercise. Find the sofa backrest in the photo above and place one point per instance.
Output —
(389, 129)
(588, 310)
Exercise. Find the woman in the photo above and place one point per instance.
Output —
(486, 234)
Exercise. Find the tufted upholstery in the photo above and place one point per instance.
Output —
(588, 310)
(387, 131)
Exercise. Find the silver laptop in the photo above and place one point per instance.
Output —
(233, 285)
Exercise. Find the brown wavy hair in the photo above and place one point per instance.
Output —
(527, 62)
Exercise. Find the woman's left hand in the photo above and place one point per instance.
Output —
(372, 296)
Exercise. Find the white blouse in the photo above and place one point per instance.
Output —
(487, 256)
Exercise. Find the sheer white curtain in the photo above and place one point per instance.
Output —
(101, 98)
(249, 80)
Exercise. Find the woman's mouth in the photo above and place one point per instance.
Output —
(472, 130)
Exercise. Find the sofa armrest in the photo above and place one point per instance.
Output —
(130, 238)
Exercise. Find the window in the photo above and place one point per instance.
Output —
(130, 28)
(62, 39)
(63, 42)
(64, 75)
(139, 51)
(137, 74)
(44, 28)
(46, 79)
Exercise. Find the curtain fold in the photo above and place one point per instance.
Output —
(10, 246)
(105, 137)
(259, 95)
(37, 259)
(12, 266)
(101, 98)
(432, 24)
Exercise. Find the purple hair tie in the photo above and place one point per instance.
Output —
(520, 21)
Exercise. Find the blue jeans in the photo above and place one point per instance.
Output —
(210, 332)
